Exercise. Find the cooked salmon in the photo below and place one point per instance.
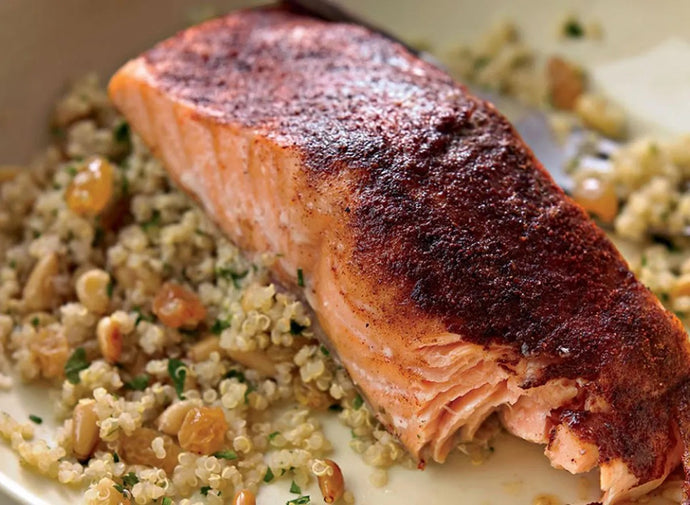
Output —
(450, 274)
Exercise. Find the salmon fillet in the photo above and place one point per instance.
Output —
(450, 274)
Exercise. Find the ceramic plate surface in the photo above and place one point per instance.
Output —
(643, 61)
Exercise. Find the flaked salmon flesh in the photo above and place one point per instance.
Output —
(449, 273)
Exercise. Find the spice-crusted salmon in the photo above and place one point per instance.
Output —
(450, 274)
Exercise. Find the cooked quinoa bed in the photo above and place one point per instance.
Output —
(185, 374)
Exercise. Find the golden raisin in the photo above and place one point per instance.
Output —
(136, 450)
(331, 483)
(51, 349)
(203, 430)
(178, 307)
(244, 497)
(91, 189)
(597, 197)
(566, 83)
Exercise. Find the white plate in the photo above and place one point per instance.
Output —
(46, 42)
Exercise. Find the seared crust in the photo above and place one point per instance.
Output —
(450, 206)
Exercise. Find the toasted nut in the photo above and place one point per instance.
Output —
(566, 83)
(597, 197)
(8, 172)
(51, 349)
(331, 482)
(109, 339)
(92, 290)
(84, 429)
(171, 419)
(203, 430)
(39, 293)
(178, 307)
(203, 349)
(136, 450)
(244, 497)
(601, 115)
(258, 360)
(309, 395)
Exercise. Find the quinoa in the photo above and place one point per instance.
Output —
(83, 286)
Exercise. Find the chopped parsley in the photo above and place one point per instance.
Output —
(219, 325)
(166, 500)
(302, 500)
(204, 490)
(178, 373)
(573, 29)
(116, 458)
(138, 383)
(121, 132)
(236, 374)
(300, 278)
(235, 277)
(120, 489)
(294, 488)
(130, 479)
(153, 222)
(225, 455)
(273, 435)
(35, 419)
(296, 328)
(98, 235)
(357, 402)
(109, 288)
(13, 264)
(72, 170)
(75, 364)
(268, 477)
(250, 389)
(141, 316)
(35, 321)
(325, 351)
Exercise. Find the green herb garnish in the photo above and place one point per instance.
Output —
(72, 170)
(75, 364)
(324, 351)
(235, 277)
(236, 374)
(109, 288)
(573, 29)
(273, 435)
(35, 321)
(204, 490)
(116, 458)
(121, 132)
(153, 222)
(178, 373)
(166, 500)
(35, 419)
(268, 477)
(302, 500)
(300, 278)
(357, 402)
(138, 383)
(294, 488)
(130, 479)
(296, 328)
(229, 455)
(219, 325)
(119, 488)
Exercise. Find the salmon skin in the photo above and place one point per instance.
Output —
(449, 272)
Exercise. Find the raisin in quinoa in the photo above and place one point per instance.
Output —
(184, 373)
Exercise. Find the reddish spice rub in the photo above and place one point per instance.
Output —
(448, 205)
